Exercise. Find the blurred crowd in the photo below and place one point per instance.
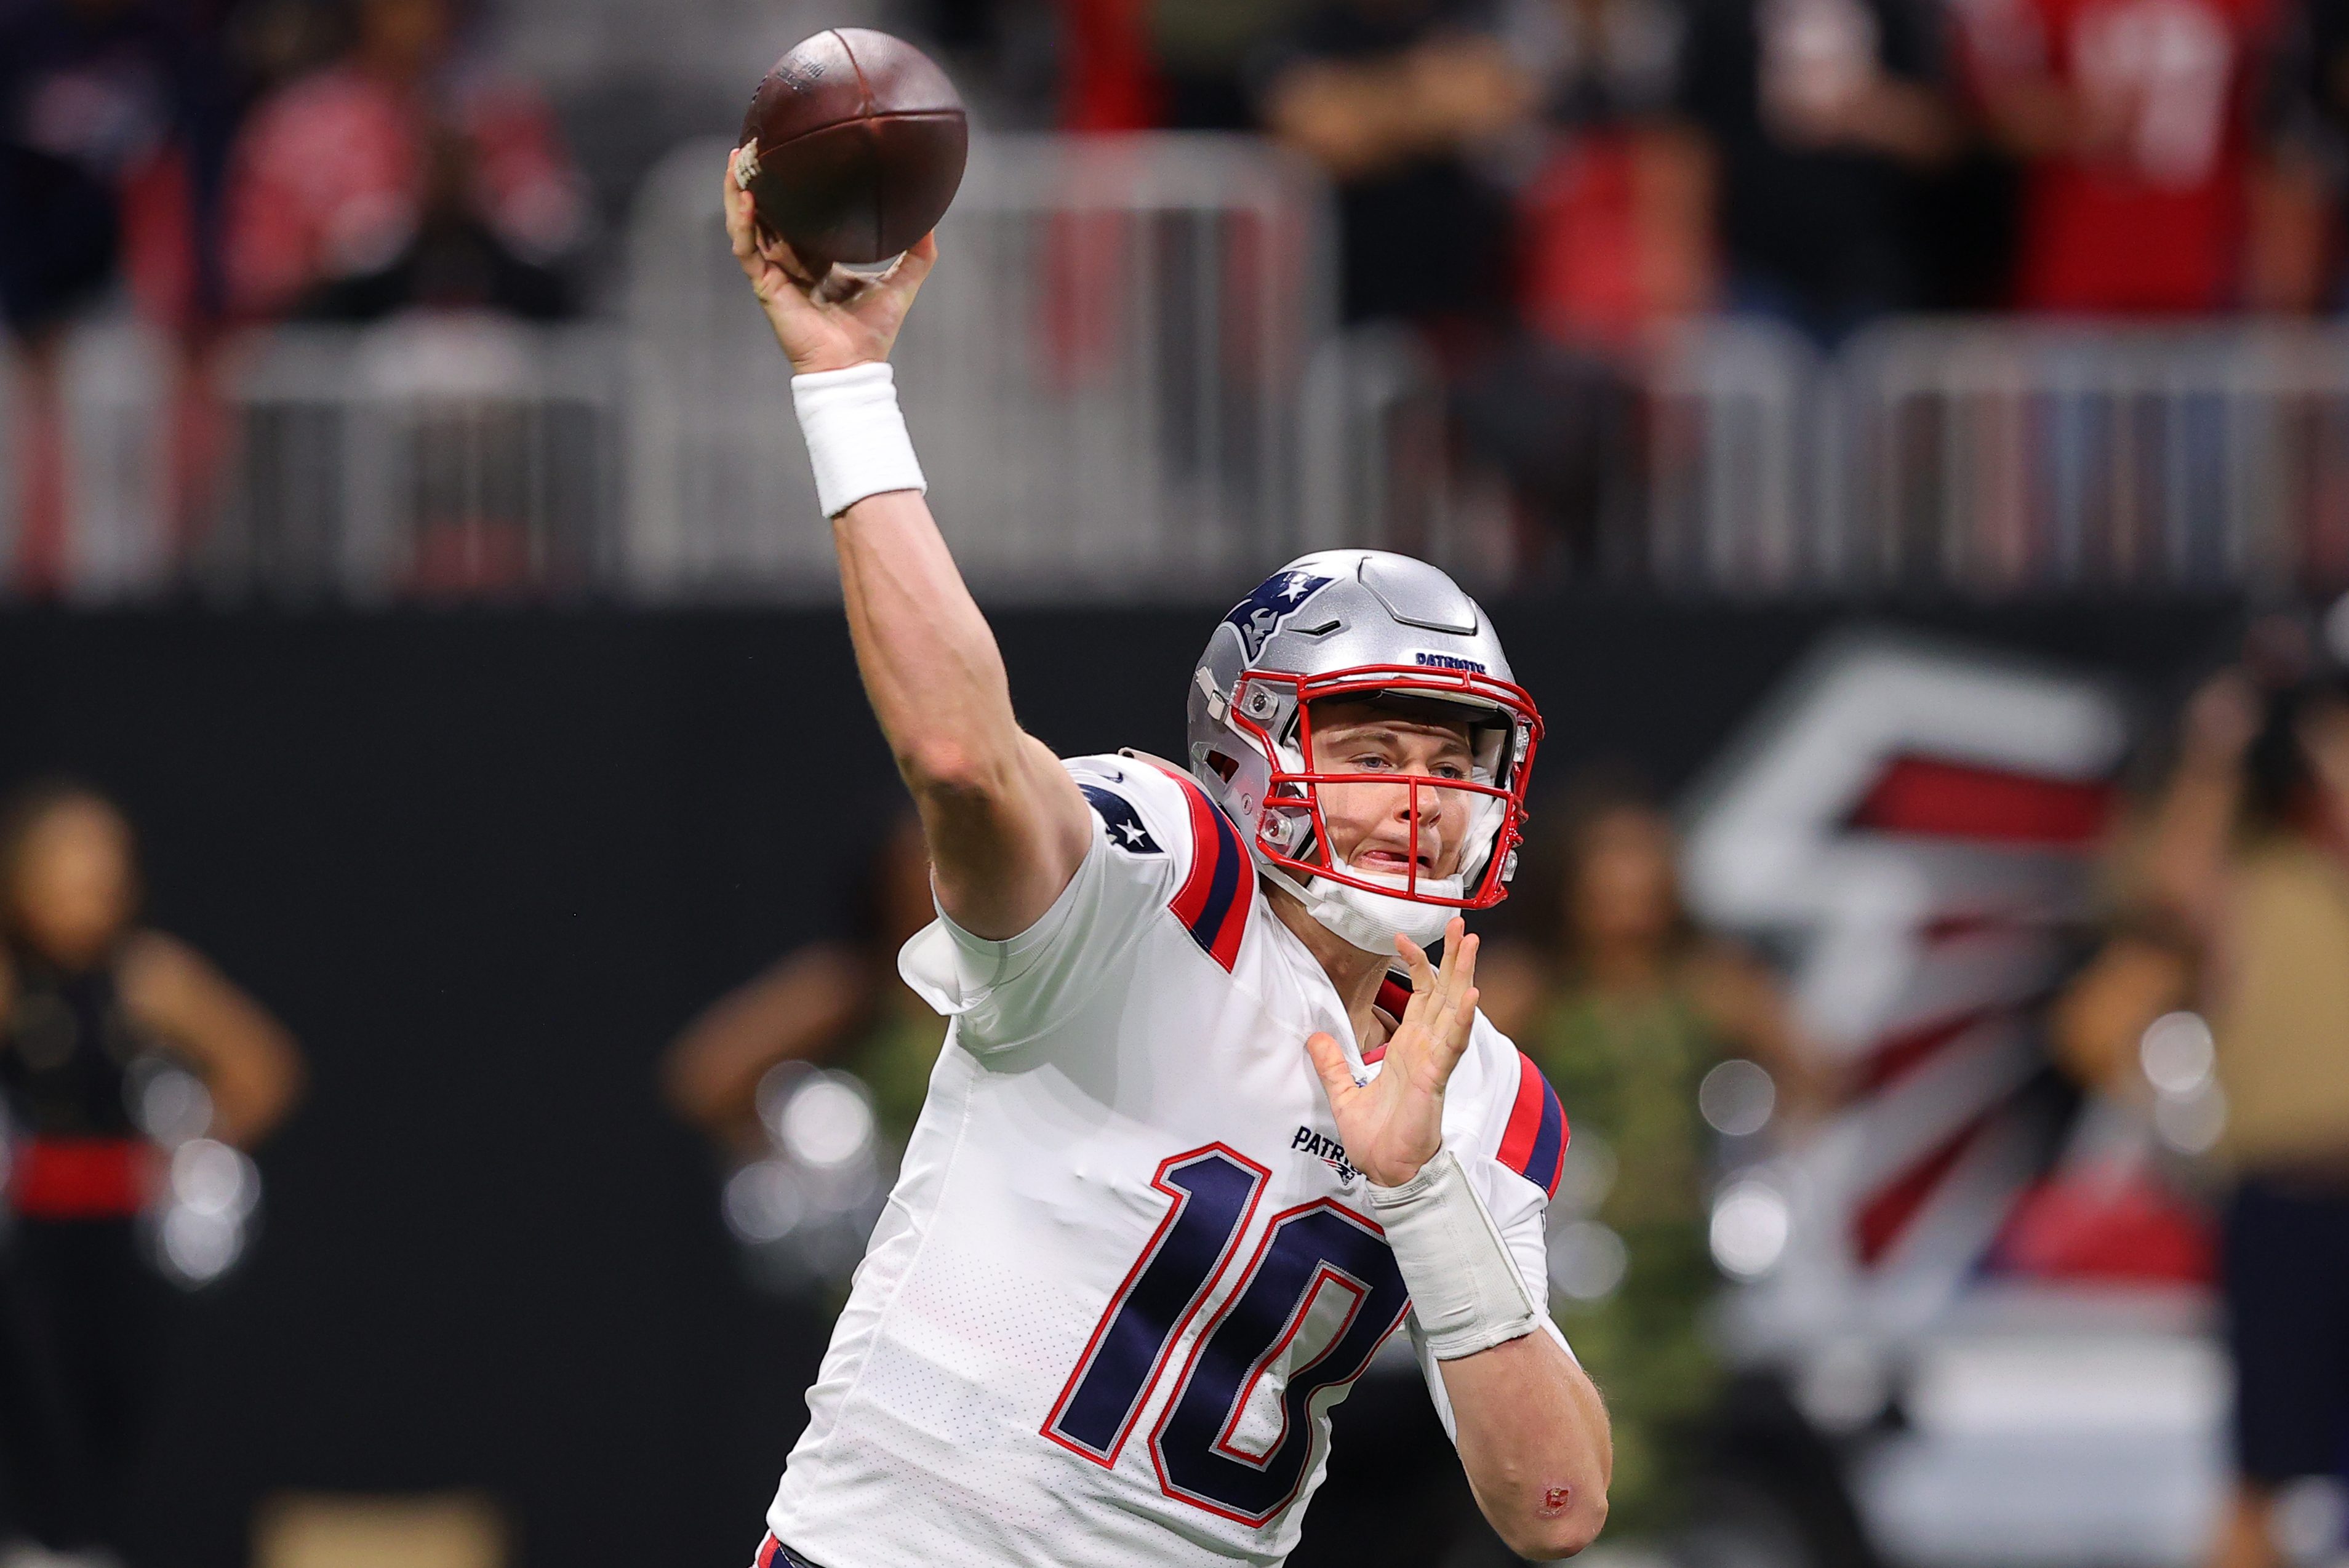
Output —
(238, 162)
(1535, 184)
(1580, 167)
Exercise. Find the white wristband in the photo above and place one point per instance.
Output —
(855, 435)
(1465, 1289)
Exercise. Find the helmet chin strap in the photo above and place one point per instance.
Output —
(1371, 920)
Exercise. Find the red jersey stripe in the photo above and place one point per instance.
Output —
(1394, 996)
(1213, 901)
(1525, 1126)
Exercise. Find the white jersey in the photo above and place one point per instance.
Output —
(1126, 1270)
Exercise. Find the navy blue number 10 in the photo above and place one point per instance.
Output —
(1318, 1248)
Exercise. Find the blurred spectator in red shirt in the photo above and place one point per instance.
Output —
(1822, 113)
(2132, 117)
(405, 174)
(1615, 228)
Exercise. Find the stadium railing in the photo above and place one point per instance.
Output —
(1982, 456)
(2020, 456)
(451, 456)
(1107, 383)
(434, 456)
(1127, 382)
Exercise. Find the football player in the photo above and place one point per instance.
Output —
(1191, 1151)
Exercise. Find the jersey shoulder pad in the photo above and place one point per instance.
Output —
(1149, 809)
(1532, 1131)
(1139, 811)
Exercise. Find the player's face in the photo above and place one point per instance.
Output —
(1370, 823)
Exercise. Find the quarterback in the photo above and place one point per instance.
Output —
(1193, 1150)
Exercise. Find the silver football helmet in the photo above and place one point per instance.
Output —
(1360, 625)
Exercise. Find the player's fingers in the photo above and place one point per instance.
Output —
(1423, 980)
(1452, 1041)
(913, 264)
(1466, 948)
(905, 277)
(1449, 1030)
(1422, 973)
(1447, 978)
(1449, 1023)
(1329, 1061)
(1464, 978)
(778, 251)
(742, 212)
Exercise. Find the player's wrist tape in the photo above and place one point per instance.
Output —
(856, 437)
(1465, 1286)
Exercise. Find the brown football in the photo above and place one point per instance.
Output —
(859, 142)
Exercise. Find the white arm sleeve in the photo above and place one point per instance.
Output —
(1518, 1208)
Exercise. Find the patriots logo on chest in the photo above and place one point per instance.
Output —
(1327, 1150)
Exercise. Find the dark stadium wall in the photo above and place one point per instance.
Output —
(486, 863)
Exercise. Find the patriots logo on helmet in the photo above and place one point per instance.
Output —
(1276, 598)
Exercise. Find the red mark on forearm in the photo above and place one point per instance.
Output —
(1555, 1500)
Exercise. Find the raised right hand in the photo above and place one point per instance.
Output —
(829, 323)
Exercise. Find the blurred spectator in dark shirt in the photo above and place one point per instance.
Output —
(1627, 1007)
(114, 117)
(1204, 49)
(1821, 113)
(89, 996)
(2134, 121)
(838, 1003)
(114, 123)
(405, 174)
(2298, 192)
(1393, 99)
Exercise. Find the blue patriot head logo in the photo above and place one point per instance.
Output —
(1275, 599)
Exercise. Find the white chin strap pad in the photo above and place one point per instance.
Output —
(1371, 921)
(1465, 1290)
(1392, 913)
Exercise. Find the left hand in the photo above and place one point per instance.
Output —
(1394, 1124)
